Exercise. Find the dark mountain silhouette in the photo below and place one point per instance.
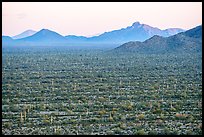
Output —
(195, 32)
(188, 41)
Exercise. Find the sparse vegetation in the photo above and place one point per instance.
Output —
(65, 91)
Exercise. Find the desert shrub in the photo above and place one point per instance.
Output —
(180, 116)
(7, 125)
(102, 112)
(141, 116)
(140, 132)
(152, 132)
(166, 131)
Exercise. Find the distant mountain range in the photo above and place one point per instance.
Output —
(24, 34)
(44, 35)
(188, 41)
(136, 32)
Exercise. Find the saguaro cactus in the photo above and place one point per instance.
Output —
(25, 114)
(21, 117)
(51, 120)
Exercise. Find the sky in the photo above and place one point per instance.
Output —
(94, 18)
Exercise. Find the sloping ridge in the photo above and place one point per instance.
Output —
(6, 39)
(24, 34)
(187, 41)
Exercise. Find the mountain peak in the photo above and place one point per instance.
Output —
(137, 23)
(29, 30)
(45, 35)
(45, 30)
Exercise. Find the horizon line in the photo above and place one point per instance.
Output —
(99, 33)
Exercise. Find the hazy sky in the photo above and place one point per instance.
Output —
(91, 18)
